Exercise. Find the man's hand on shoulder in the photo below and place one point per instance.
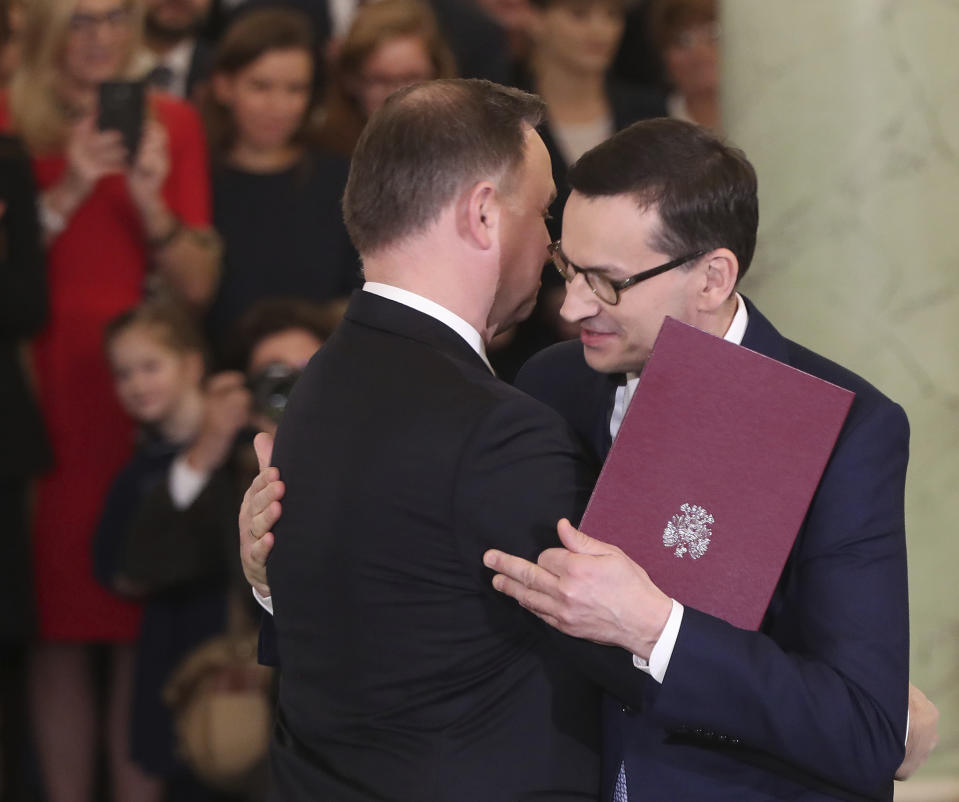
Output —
(259, 512)
(589, 589)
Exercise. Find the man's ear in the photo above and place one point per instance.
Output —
(477, 215)
(722, 271)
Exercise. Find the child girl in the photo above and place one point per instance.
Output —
(156, 357)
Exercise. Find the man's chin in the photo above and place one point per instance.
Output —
(599, 360)
(606, 360)
(518, 316)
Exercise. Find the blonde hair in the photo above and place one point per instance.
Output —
(37, 109)
(373, 25)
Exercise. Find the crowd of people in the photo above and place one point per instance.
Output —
(159, 294)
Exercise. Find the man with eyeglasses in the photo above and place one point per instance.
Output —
(662, 221)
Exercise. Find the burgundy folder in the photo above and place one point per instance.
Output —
(713, 469)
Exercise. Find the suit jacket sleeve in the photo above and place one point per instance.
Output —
(522, 471)
(826, 690)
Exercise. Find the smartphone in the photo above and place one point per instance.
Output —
(123, 109)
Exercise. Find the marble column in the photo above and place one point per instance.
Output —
(849, 109)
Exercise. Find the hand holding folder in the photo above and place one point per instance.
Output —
(705, 489)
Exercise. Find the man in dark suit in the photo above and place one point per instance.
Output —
(175, 57)
(404, 676)
(813, 706)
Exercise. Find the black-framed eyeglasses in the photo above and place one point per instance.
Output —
(605, 288)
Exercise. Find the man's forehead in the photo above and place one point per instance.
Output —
(590, 221)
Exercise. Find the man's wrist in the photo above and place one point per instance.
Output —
(642, 638)
(662, 651)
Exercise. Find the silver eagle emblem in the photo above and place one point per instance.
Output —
(689, 531)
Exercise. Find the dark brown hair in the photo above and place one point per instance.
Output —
(252, 35)
(275, 315)
(703, 189)
(427, 144)
(374, 24)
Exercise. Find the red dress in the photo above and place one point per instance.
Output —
(96, 269)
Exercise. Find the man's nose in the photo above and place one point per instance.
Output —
(580, 303)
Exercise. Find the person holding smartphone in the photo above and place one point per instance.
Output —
(113, 213)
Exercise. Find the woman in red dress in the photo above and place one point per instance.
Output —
(111, 220)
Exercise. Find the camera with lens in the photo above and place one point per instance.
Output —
(271, 389)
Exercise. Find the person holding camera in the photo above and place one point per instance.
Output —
(113, 211)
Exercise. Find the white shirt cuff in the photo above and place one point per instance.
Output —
(663, 650)
(185, 482)
(266, 602)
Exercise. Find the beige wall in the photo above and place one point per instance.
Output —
(850, 111)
